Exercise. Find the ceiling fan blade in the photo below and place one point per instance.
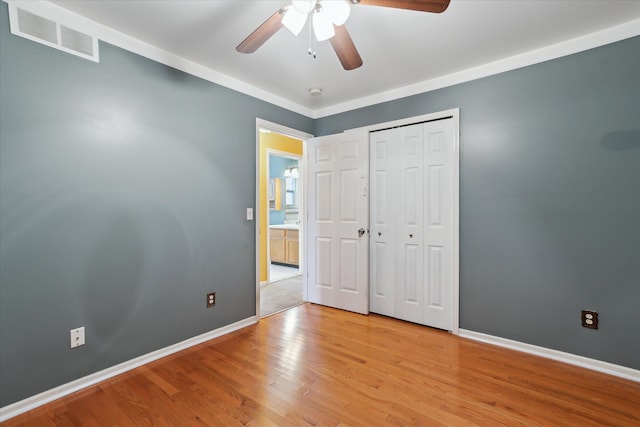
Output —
(345, 49)
(434, 6)
(262, 33)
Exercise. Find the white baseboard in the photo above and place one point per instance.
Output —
(572, 359)
(40, 399)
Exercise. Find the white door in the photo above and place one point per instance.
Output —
(384, 178)
(439, 146)
(410, 230)
(337, 221)
(412, 223)
(397, 225)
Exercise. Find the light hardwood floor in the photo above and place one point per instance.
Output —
(318, 366)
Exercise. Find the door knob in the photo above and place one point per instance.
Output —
(361, 232)
(411, 236)
(379, 233)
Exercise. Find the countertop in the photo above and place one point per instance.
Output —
(285, 226)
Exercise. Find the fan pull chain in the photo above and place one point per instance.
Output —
(312, 40)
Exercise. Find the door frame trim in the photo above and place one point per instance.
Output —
(454, 114)
(285, 130)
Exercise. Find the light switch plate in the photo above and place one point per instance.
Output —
(77, 337)
(249, 214)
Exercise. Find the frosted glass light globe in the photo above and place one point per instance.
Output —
(303, 6)
(338, 11)
(322, 26)
(293, 20)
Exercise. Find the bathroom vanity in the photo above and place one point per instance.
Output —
(283, 244)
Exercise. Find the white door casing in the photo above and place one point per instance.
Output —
(274, 127)
(337, 221)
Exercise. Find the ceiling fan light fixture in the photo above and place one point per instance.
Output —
(294, 20)
(338, 11)
(322, 25)
(303, 6)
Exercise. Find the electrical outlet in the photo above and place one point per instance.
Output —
(77, 337)
(211, 299)
(589, 319)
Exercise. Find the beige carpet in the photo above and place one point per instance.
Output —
(278, 296)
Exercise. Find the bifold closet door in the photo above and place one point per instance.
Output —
(396, 218)
(439, 230)
(411, 217)
(382, 215)
(409, 287)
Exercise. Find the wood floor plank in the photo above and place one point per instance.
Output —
(316, 366)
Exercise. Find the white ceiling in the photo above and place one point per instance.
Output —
(398, 47)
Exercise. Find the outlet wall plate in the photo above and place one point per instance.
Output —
(589, 319)
(211, 299)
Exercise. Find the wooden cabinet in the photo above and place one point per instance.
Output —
(277, 246)
(291, 247)
(284, 246)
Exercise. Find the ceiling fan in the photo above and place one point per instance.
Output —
(327, 18)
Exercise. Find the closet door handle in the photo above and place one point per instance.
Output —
(361, 232)
(411, 236)
(379, 233)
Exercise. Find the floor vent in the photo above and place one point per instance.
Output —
(49, 32)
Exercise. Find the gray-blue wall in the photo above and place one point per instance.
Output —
(549, 198)
(123, 192)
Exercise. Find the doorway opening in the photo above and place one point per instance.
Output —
(283, 288)
(280, 225)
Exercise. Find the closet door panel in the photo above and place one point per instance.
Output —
(411, 217)
(438, 257)
(382, 218)
(410, 252)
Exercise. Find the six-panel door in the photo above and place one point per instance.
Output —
(337, 241)
(412, 230)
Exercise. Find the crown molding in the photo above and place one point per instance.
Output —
(131, 44)
(547, 53)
